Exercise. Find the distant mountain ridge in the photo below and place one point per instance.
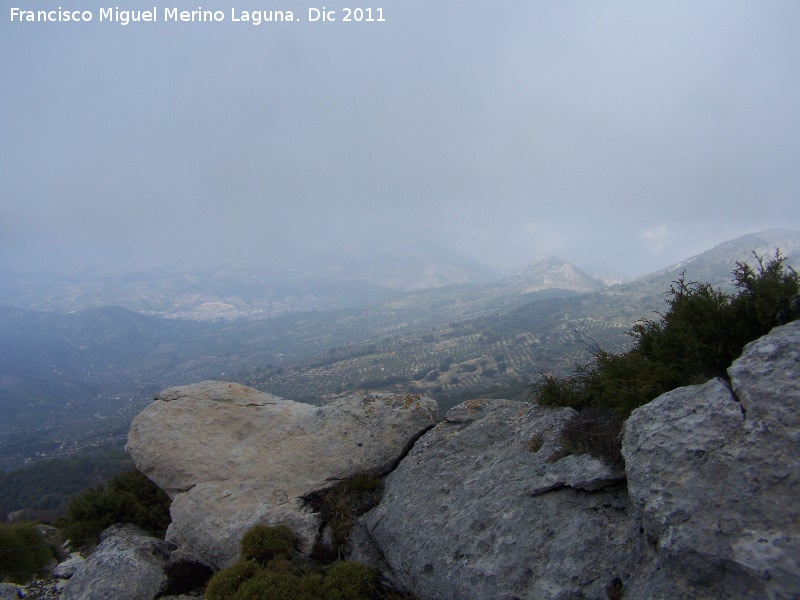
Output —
(714, 266)
(341, 275)
(496, 354)
(71, 378)
(552, 272)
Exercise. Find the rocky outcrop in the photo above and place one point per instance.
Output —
(9, 592)
(487, 504)
(127, 565)
(714, 472)
(67, 568)
(483, 507)
(231, 457)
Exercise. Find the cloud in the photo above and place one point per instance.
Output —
(505, 130)
(658, 237)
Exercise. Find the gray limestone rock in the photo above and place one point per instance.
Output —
(486, 504)
(67, 568)
(127, 565)
(232, 457)
(483, 507)
(9, 592)
(715, 473)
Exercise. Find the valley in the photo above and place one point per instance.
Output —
(71, 382)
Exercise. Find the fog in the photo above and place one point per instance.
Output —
(621, 136)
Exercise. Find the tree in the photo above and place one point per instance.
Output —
(703, 331)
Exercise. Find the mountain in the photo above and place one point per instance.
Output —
(329, 276)
(68, 380)
(77, 375)
(715, 265)
(497, 354)
(550, 272)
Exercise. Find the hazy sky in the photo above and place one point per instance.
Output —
(622, 136)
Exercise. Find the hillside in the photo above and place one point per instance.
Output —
(498, 355)
(69, 382)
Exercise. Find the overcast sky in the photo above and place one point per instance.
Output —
(622, 136)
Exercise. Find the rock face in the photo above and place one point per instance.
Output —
(127, 565)
(714, 472)
(478, 511)
(66, 569)
(231, 457)
(710, 509)
(8, 592)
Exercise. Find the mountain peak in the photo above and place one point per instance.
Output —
(553, 272)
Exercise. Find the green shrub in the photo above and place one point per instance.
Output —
(350, 581)
(281, 580)
(288, 576)
(127, 498)
(23, 552)
(620, 382)
(225, 584)
(262, 543)
(698, 337)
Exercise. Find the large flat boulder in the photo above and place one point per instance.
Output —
(714, 471)
(231, 457)
(487, 506)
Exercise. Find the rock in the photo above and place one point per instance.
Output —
(714, 471)
(232, 457)
(66, 569)
(41, 589)
(482, 507)
(361, 547)
(9, 592)
(127, 565)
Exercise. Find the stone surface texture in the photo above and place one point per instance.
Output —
(9, 592)
(67, 568)
(127, 565)
(710, 509)
(714, 471)
(231, 457)
(473, 512)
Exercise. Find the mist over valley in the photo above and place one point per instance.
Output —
(74, 372)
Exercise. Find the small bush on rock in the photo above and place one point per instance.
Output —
(262, 543)
(280, 580)
(291, 577)
(225, 584)
(350, 581)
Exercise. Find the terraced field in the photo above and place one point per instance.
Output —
(495, 355)
(68, 381)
